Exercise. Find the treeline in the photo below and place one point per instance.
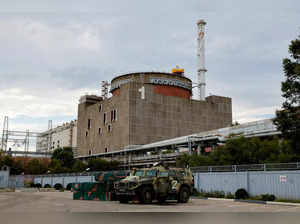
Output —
(24, 165)
(244, 151)
(235, 152)
(62, 161)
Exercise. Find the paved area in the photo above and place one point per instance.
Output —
(62, 202)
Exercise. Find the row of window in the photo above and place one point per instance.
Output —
(113, 114)
(109, 129)
(113, 117)
(53, 146)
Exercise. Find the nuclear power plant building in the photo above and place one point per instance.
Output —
(146, 107)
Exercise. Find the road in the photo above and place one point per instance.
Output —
(62, 202)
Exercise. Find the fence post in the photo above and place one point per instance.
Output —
(298, 165)
(210, 169)
(235, 168)
(265, 167)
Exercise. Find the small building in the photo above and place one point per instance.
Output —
(144, 108)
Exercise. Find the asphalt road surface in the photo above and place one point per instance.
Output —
(63, 202)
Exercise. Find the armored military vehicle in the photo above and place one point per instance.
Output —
(156, 183)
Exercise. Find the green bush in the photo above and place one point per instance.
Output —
(219, 194)
(229, 195)
(213, 194)
(29, 184)
(267, 197)
(241, 194)
(196, 192)
(272, 197)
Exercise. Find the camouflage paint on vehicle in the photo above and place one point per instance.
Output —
(156, 183)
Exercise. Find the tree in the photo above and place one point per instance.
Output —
(98, 164)
(35, 166)
(288, 119)
(114, 165)
(79, 166)
(6, 160)
(65, 155)
(56, 166)
(18, 167)
(243, 150)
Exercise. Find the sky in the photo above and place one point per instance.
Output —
(52, 52)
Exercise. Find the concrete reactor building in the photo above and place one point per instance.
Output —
(146, 107)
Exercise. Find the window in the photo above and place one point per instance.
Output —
(113, 115)
(150, 173)
(99, 131)
(163, 174)
(89, 123)
(90, 152)
(104, 118)
(100, 107)
(172, 173)
(86, 133)
(106, 150)
(139, 173)
(109, 128)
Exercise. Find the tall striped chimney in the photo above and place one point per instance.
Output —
(201, 59)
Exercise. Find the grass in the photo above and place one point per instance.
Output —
(287, 200)
(7, 190)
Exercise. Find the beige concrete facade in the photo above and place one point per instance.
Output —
(64, 135)
(139, 120)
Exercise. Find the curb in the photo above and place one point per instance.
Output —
(251, 201)
(283, 203)
(221, 199)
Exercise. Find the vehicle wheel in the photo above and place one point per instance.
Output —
(146, 195)
(123, 199)
(161, 199)
(184, 195)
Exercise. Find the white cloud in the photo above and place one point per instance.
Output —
(49, 59)
(18, 102)
(242, 114)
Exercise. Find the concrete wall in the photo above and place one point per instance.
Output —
(4, 175)
(117, 138)
(159, 117)
(62, 138)
(64, 180)
(74, 136)
(16, 181)
(283, 184)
